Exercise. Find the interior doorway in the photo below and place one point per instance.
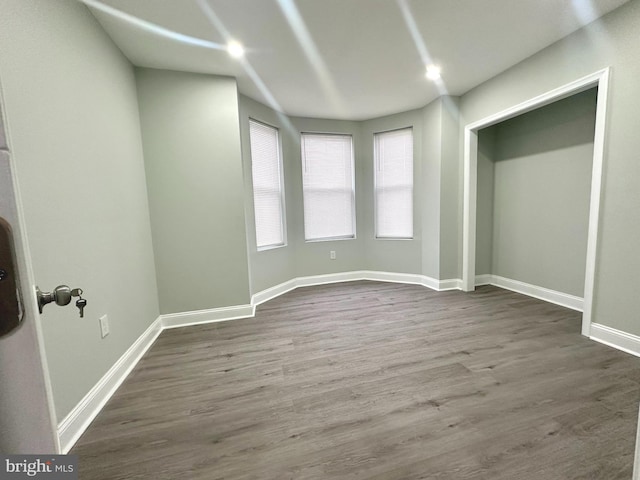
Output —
(598, 79)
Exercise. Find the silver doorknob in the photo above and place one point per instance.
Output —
(61, 295)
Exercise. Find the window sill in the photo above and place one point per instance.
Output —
(395, 238)
(332, 239)
(271, 247)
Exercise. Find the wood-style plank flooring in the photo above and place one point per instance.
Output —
(367, 380)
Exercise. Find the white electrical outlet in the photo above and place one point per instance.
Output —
(332, 254)
(104, 326)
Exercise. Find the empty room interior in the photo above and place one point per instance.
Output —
(321, 239)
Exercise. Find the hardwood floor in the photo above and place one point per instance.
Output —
(367, 380)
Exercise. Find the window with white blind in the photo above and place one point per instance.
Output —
(328, 186)
(393, 157)
(268, 195)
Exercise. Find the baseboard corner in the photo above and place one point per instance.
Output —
(449, 284)
(542, 293)
(484, 279)
(273, 292)
(78, 420)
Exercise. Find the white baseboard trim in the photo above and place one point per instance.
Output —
(414, 279)
(451, 284)
(618, 339)
(542, 293)
(486, 279)
(273, 292)
(410, 278)
(407, 278)
(76, 422)
(199, 317)
(329, 278)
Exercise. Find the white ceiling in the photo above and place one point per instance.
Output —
(361, 61)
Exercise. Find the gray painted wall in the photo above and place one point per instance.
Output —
(312, 258)
(430, 182)
(191, 137)
(73, 127)
(451, 181)
(387, 255)
(277, 265)
(534, 182)
(300, 258)
(484, 205)
(542, 185)
(610, 41)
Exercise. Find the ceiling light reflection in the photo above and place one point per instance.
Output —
(420, 45)
(433, 72)
(300, 30)
(152, 27)
(235, 49)
(217, 23)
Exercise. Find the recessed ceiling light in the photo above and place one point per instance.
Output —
(235, 49)
(433, 72)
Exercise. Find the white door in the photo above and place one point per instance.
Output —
(27, 418)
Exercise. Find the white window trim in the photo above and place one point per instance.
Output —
(353, 187)
(375, 188)
(283, 204)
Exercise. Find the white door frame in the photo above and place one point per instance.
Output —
(598, 79)
(28, 336)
